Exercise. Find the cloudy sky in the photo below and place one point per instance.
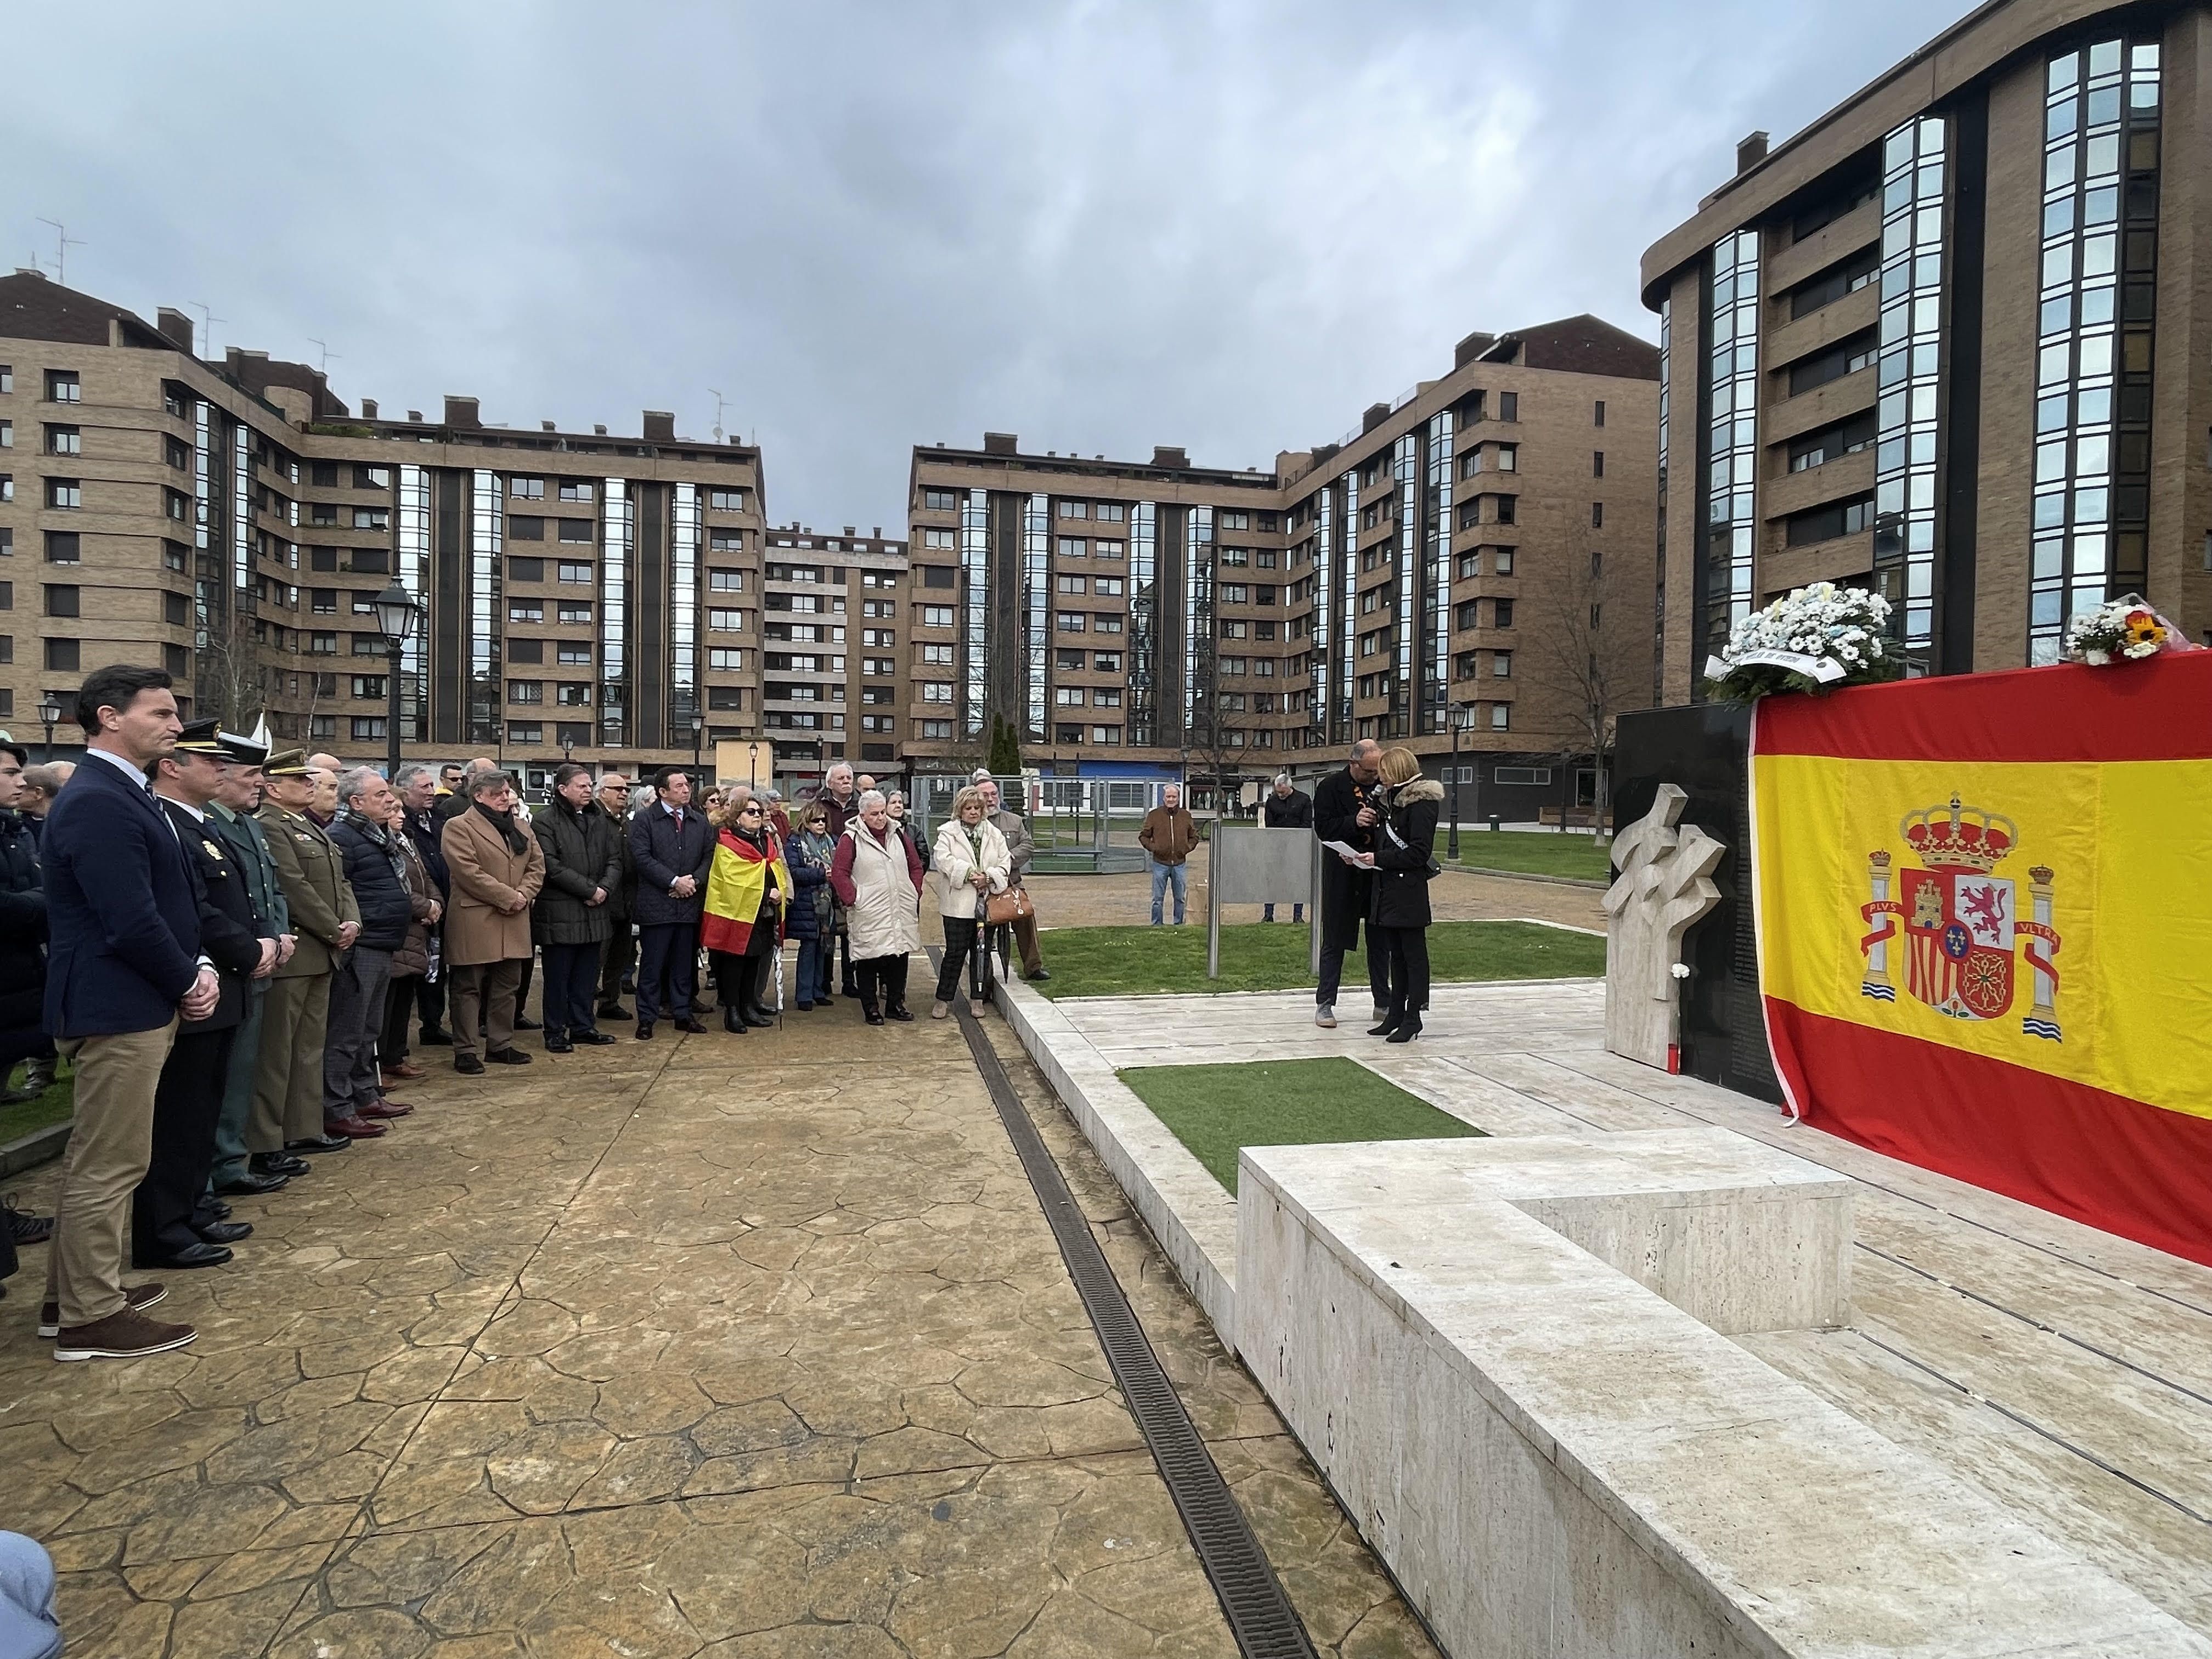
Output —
(1100, 226)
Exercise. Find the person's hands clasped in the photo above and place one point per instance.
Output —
(682, 887)
(348, 933)
(199, 1002)
(598, 896)
(286, 944)
(269, 958)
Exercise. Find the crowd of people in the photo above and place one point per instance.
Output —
(243, 954)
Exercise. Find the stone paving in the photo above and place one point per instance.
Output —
(717, 1347)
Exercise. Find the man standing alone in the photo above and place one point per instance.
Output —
(124, 965)
(1342, 811)
(1286, 809)
(1169, 835)
(671, 847)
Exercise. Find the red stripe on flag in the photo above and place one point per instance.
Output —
(2153, 710)
(2101, 1158)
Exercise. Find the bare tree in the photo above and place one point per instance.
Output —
(1583, 655)
(227, 677)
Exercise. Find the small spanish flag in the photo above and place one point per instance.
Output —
(1984, 911)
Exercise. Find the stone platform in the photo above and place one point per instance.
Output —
(2056, 1374)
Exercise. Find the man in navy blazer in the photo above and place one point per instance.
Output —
(672, 847)
(124, 964)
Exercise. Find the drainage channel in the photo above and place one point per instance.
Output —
(1260, 1615)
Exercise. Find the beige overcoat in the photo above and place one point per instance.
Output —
(488, 874)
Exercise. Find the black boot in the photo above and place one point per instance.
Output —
(730, 1023)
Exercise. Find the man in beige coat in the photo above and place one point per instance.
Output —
(496, 869)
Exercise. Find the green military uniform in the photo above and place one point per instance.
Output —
(236, 1133)
(288, 1085)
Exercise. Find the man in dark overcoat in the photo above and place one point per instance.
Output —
(1346, 809)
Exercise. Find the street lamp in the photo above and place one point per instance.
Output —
(1462, 719)
(752, 764)
(698, 726)
(396, 610)
(50, 716)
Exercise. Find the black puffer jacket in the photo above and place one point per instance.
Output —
(1402, 844)
(579, 855)
(22, 927)
(378, 888)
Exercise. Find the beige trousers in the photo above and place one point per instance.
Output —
(109, 1148)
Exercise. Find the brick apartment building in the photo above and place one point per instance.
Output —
(1951, 343)
(1486, 543)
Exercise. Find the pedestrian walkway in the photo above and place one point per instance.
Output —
(745, 1347)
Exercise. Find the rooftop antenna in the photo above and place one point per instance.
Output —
(327, 354)
(63, 243)
(208, 320)
(719, 401)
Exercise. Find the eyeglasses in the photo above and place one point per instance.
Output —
(749, 812)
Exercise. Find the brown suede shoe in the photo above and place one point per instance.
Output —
(126, 1335)
(383, 1108)
(138, 1297)
(406, 1068)
(355, 1128)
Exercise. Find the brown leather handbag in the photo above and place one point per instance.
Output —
(1012, 905)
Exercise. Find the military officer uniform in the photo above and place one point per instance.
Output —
(241, 838)
(288, 1085)
(166, 1224)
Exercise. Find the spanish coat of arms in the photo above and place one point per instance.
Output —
(1955, 925)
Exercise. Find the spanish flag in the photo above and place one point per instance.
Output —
(735, 883)
(1985, 915)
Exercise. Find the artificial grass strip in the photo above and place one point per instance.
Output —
(1217, 1111)
(1119, 961)
(1533, 852)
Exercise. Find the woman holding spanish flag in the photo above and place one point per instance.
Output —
(747, 888)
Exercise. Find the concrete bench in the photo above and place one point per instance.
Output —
(1506, 1356)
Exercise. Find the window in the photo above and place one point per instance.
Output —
(7, 487)
(579, 575)
(1068, 661)
(322, 513)
(941, 501)
(176, 609)
(937, 656)
(1598, 418)
(323, 601)
(532, 611)
(1106, 697)
(522, 651)
(573, 610)
(1236, 556)
(726, 541)
(1070, 622)
(366, 477)
(575, 490)
(726, 622)
(525, 570)
(1068, 696)
(726, 501)
(937, 690)
(879, 609)
(727, 660)
(1469, 614)
(937, 537)
(1847, 357)
(8, 440)
(369, 685)
(1067, 734)
(527, 731)
(574, 694)
(937, 616)
(1105, 662)
(521, 527)
(725, 582)
(1235, 593)
(1073, 547)
(64, 440)
(939, 575)
(1105, 622)
(1509, 510)
(1845, 438)
(61, 386)
(884, 666)
(1109, 585)
(1597, 515)
(1501, 717)
(1075, 509)
(1068, 584)
(322, 645)
(1597, 460)
(7, 378)
(62, 654)
(1501, 613)
(571, 654)
(61, 600)
(1501, 664)
(575, 530)
(370, 644)
(525, 691)
(1832, 284)
(65, 493)
(1508, 405)
(936, 730)
(1234, 628)
(1822, 523)
(1110, 736)
(526, 489)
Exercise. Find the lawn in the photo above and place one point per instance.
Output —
(1217, 1110)
(1111, 962)
(1533, 852)
(54, 1106)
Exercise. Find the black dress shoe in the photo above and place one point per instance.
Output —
(468, 1065)
(691, 1025)
(192, 1255)
(225, 1232)
(611, 1010)
(508, 1057)
(252, 1183)
(591, 1039)
(219, 1210)
(283, 1166)
(559, 1046)
(731, 1024)
(1041, 973)
(898, 1011)
(645, 1030)
(874, 1018)
(522, 1024)
(824, 1000)
(435, 1038)
(759, 1017)
(318, 1143)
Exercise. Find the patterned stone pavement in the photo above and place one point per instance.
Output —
(720, 1347)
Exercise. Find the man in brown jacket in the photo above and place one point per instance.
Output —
(497, 869)
(1169, 835)
(288, 1082)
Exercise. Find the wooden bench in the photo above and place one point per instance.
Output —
(1568, 818)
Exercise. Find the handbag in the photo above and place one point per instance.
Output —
(1012, 905)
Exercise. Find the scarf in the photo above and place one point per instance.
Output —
(377, 836)
(509, 832)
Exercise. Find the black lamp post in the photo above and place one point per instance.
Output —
(1462, 719)
(396, 610)
(752, 764)
(50, 716)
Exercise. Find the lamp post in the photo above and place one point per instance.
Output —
(1462, 719)
(50, 716)
(396, 610)
(752, 764)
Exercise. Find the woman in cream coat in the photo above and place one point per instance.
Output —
(877, 876)
(970, 858)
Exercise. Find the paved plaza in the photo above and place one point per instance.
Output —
(713, 1346)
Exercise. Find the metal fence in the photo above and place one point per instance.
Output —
(1082, 826)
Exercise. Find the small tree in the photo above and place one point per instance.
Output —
(1006, 751)
(1587, 670)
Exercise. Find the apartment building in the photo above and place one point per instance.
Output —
(1480, 551)
(1950, 343)
(832, 627)
(585, 594)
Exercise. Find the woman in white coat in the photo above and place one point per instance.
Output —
(877, 876)
(972, 860)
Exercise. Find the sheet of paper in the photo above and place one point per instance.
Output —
(1345, 852)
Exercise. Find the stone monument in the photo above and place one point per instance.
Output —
(1665, 884)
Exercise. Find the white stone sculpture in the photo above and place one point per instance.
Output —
(1665, 884)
